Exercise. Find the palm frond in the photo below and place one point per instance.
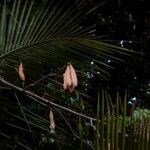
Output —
(52, 35)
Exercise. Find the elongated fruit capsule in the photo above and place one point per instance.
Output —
(68, 76)
(65, 82)
(73, 76)
(21, 72)
(52, 122)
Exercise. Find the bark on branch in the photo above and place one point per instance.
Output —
(41, 99)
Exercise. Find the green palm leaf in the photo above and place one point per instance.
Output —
(52, 35)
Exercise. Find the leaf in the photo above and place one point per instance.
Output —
(49, 34)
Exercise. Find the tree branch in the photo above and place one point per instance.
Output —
(42, 78)
(31, 94)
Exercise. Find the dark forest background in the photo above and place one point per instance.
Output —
(123, 23)
(126, 24)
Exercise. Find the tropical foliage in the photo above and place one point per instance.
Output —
(44, 39)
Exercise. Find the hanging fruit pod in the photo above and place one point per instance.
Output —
(21, 72)
(52, 122)
(70, 78)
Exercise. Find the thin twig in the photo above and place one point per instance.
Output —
(42, 78)
(29, 93)
(19, 143)
(24, 116)
(36, 100)
(72, 129)
(20, 128)
(3, 134)
(46, 76)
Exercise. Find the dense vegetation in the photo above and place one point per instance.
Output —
(106, 42)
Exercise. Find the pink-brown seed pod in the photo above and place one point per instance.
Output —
(68, 76)
(73, 76)
(71, 89)
(21, 72)
(65, 82)
(52, 122)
